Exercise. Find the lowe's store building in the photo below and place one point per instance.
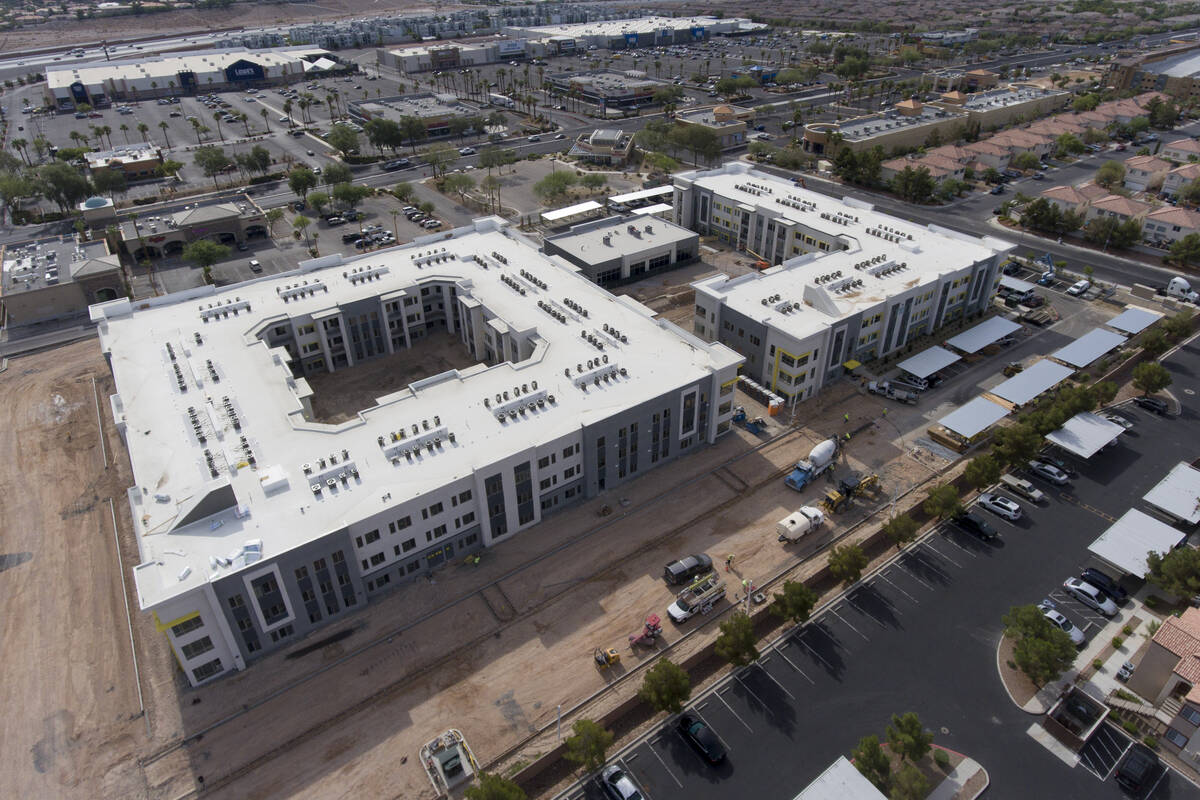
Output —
(99, 83)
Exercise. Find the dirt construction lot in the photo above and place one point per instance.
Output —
(491, 649)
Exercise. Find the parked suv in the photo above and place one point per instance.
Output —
(1137, 770)
(679, 571)
(975, 525)
(1105, 584)
(1154, 405)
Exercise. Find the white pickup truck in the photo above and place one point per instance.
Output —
(891, 392)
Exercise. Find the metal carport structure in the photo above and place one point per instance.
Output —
(1027, 385)
(1088, 348)
(1127, 541)
(974, 418)
(1178, 494)
(1085, 434)
(991, 330)
(927, 362)
(1134, 320)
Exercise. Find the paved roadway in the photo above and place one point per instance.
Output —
(921, 636)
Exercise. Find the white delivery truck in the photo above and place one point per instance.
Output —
(794, 527)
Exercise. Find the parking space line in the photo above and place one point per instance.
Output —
(664, 764)
(783, 655)
(898, 589)
(843, 619)
(816, 655)
(945, 538)
(766, 672)
(864, 612)
(913, 575)
(928, 545)
(731, 711)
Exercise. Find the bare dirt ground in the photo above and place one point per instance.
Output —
(242, 15)
(71, 721)
(339, 396)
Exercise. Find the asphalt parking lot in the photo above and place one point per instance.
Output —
(921, 635)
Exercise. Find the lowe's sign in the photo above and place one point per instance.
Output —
(244, 71)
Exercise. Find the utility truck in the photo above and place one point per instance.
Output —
(807, 469)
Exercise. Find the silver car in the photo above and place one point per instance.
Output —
(1062, 623)
(618, 785)
(1090, 596)
(1048, 472)
(1001, 506)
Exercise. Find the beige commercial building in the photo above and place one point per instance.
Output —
(57, 278)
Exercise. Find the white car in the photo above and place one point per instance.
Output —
(1117, 419)
(1048, 472)
(618, 785)
(1059, 621)
(1090, 596)
(467, 151)
(1079, 287)
(1000, 505)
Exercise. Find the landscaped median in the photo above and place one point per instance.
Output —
(538, 765)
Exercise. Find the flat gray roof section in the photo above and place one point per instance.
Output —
(1178, 494)
(1134, 320)
(1025, 386)
(1084, 434)
(927, 362)
(975, 417)
(1088, 348)
(991, 330)
(1128, 540)
(1016, 284)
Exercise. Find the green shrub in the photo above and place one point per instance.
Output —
(1128, 631)
(1097, 663)
(1151, 601)
(1150, 742)
(941, 758)
(1117, 641)
(1129, 727)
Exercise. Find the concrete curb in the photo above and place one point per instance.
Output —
(1000, 675)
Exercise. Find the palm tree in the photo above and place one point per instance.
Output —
(500, 73)
(142, 128)
(196, 127)
(304, 109)
(76, 137)
(164, 127)
(107, 131)
(125, 130)
(19, 145)
(245, 120)
(287, 109)
(266, 118)
(217, 119)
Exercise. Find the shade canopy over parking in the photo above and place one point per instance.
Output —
(570, 211)
(1084, 434)
(927, 362)
(657, 208)
(841, 780)
(1134, 320)
(1088, 348)
(1025, 386)
(973, 418)
(1127, 541)
(1178, 494)
(991, 330)
(642, 194)
(1016, 285)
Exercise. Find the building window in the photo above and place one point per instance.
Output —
(208, 669)
(1191, 715)
(187, 626)
(193, 649)
(372, 536)
(409, 544)
(1176, 738)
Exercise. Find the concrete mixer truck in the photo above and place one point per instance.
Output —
(807, 469)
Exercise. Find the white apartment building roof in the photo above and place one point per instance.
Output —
(643, 26)
(1002, 98)
(809, 293)
(566, 383)
(620, 236)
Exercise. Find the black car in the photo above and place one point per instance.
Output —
(1152, 404)
(976, 525)
(1012, 268)
(351, 237)
(1105, 584)
(701, 737)
(685, 568)
(297, 206)
(399, 163)
(1062, 464)
(1137, 769)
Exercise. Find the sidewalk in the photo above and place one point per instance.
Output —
(963, 782)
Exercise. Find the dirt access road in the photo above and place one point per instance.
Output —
(71, 724)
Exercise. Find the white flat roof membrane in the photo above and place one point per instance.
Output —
(1134, 320)
(1178, 494)
(1025, 386)
(974, 418)
(841, 781)
(983, 334)
(1016, 284)
(570, 211)
(657, 208)
(927, 362)
(642, 194)
(1084, 434)
(1128, 540)
(1088, 348)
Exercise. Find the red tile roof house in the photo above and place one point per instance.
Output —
(1168, 676)
(1145, 173)
(1182, 150)
(1179, 177)
(1170, 224)
(1121, 208)
(1067, 198)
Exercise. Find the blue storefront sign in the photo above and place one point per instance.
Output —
(631, 39)
(698, 33)
(243, 70)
